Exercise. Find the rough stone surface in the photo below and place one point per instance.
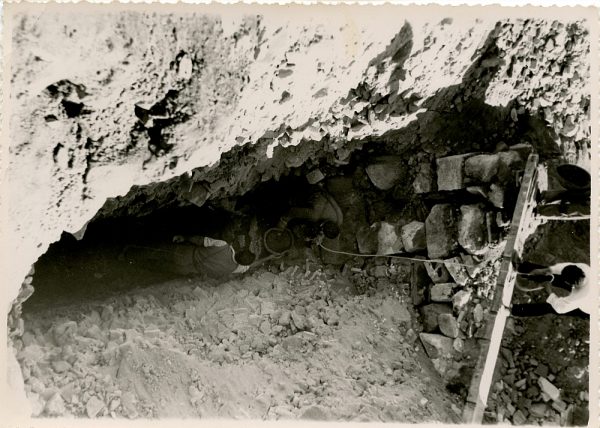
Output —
(367, 239)
(482, 168)
(413, 236)
(437, 345)
(438, 273)
(441, 231)
(448, 326)
(55, 406)
(460, 299)
(389, 240)
(450, 174)
(472, 231)
(547, 387)
(93, 407)
(442, 292)
(496, 195)
(424, 181)
(457, 271)
(430, 313)
(385, 173)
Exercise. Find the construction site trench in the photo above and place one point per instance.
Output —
(350, 328)
(369, 216)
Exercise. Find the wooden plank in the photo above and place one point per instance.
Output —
(490, 346)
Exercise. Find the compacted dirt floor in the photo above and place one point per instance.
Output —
(291, 340)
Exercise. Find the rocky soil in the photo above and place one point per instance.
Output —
(287, 344)
(543, 374)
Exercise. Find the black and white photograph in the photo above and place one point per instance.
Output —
(299, 214)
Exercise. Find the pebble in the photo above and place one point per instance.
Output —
(284, 318)
(538, 410)
(478, 313)
(55, 406)
(519, 418)
(548, 388)
(60, 366)
(93, 406)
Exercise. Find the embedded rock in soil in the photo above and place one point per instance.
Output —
(441, 231)
(437, 345)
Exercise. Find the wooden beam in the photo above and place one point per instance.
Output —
(521, 227)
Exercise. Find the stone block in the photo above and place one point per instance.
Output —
(472, 230)
(450, 172)
(448, 325)
(413, 236)
(442, 293)
(430, 313)
(441, 231)
(482, 168)
(437, 345)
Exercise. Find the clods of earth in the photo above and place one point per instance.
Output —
(298, 342)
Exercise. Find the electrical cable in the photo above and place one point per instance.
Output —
(393, 257)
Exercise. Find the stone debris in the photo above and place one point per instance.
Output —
(55, 406)
(460, 299)
(441, 231)
(548, 388)
(413, 237)
(94, 406)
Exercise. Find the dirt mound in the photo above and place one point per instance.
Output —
(300, 344)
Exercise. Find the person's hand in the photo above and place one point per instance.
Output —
(178, 239)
